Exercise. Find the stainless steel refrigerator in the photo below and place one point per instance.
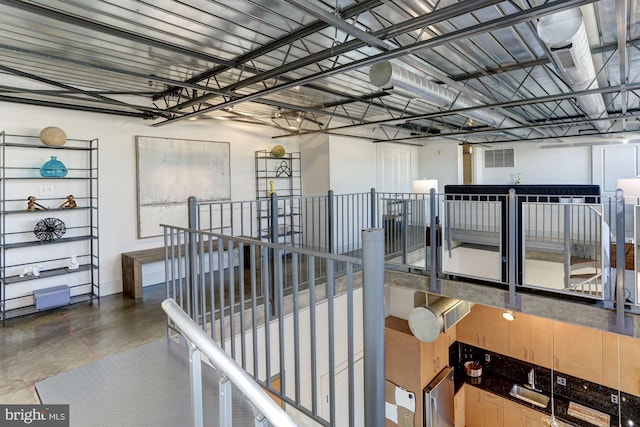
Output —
(438, 400)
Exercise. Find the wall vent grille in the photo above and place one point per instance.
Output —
(503, 158)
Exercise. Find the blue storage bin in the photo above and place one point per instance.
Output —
(54, 296)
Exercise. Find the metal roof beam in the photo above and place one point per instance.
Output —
(99, 97)
(41, 103)
(568, 123)
(536, 62)
(147, 77)
(495, 24)
(291, 37)
(389, 32)
(117, 32)
(335, 21)
(507, 104)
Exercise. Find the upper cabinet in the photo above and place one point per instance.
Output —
(411, 363)
(630, 365)
(530, 339)
(578, 351)
(485, 327)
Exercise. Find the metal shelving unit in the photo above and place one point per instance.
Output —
(281, 175)
(20, 249)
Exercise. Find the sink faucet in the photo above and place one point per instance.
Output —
(531, 380)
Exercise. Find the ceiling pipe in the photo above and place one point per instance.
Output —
(565, 35)
(392, 77)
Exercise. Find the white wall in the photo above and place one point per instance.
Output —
(439, 160)
(117, 167)
(536, 165)
(315, 164)
(352, 165)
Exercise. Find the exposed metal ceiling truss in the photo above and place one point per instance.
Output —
(302, 66)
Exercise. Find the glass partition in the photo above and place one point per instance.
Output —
(564, 246)
(472, 241)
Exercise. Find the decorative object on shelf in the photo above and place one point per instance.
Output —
(272, 188)
(53, 168)
(49, 229)
(69, 204)
(32, 205)
(278, 151)
(283, 170)
(53, 136)
(73, 262)
(33, 270)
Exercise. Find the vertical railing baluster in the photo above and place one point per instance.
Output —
(195, 365)
(225, 402)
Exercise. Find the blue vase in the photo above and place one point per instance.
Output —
(54, 168)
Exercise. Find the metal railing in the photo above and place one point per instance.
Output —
(412, 222)
(267, 411)
(270, 309)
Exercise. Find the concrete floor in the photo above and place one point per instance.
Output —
(42, 345)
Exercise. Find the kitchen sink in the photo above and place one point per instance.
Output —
(529, 396)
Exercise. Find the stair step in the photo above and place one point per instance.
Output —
(580, 261)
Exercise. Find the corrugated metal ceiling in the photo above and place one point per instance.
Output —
(174, 60)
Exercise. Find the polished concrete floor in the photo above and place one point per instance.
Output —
(38, 346)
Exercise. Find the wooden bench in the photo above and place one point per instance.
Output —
(132, 263)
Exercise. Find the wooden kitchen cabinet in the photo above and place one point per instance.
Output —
(470, 328)
(610, 370)
(459, 408)
(516, 415)
(530, 339)
(474, 407)
(486, 328)
(493, 410)
(578, 351)
(629, 365)
(411, 363)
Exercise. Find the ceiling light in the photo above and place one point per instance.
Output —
(508, 315)
(277, 114)
(299, 118)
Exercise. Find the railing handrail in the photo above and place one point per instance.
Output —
(227, 366)
(284, 248)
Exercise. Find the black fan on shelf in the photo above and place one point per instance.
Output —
(49, 229)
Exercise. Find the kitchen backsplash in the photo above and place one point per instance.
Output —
(577, 390)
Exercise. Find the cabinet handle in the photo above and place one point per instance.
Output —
(484, 341)
(525, 354)
(438, 358)
(478, 339)
(533, 358)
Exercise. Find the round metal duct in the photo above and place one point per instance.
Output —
(427, 322)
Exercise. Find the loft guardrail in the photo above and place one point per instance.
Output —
(200, 344)
(270, 309)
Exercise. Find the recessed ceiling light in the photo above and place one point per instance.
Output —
(508, 315)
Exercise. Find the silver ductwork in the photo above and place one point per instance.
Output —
(428, 321)
(390, 76)
(565, 36)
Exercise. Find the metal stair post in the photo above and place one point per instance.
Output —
(618, 322)
(373, 317)
(374, 202)
(195, 364)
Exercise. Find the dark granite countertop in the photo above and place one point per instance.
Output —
(501, 386)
